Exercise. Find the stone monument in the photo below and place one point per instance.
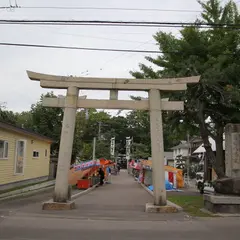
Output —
(227, 190)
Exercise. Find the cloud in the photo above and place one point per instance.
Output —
(19, 92)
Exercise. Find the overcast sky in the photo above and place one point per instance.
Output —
(19, 92)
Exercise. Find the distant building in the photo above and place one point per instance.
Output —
(181, 149)
(24, 156)
(169, 160)
(184, 148)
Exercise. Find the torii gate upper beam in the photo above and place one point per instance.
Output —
(61, 82)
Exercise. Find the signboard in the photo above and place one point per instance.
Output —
(112, 147)
(128, 147)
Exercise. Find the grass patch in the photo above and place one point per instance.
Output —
(21, 187)
(190, 204)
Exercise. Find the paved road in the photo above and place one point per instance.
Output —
(8, 207)
(114, 211)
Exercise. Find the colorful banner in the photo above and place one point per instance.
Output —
(86, 165)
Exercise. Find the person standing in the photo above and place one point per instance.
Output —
(102, 175)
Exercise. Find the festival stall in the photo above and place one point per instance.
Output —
(82, 174)
(104, 163)
(134, 167)
(85, 174)
(173, 175)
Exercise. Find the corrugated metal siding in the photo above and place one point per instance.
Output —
(33, 167)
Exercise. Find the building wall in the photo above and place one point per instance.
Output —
(33, 167)
(180, 151)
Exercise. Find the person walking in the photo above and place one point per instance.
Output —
(109, 172)
(118, 168)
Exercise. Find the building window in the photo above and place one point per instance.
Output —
(35, 154)
(3, 149)
(45, 152)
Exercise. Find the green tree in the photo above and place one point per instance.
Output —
(80, 127)
(7, 116)
(213, 54)
(47, 121)
(24, 119)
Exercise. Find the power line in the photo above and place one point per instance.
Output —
(119, 23)
(97, 37)
(95, 49)
(103, 38)
(76, 48)
(107, 9)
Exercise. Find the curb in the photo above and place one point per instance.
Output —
(75, 196)
(27, 189)
(180, 209)
(28, 193)
(220, 214)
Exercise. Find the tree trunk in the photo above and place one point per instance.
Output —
(210, 156)
(220, 159)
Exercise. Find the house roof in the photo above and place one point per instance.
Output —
(201, 148)
(196, 139)
(182, 145)
(24, 131)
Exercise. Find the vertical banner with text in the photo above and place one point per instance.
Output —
(112, 147)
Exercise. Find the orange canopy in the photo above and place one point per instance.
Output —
(105, 162)
(74, 176)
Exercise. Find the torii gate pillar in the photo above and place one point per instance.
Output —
(61, 193)
(157, 148)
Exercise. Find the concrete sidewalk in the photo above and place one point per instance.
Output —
(122, 200)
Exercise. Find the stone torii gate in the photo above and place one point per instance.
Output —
(72, 101)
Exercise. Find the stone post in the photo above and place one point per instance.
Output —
(66, 144)
(157, 148)
(232, 150)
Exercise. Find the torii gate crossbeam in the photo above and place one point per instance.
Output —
(71, 102)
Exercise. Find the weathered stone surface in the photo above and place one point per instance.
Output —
(230, 186)
(151, 208)
(222, 203)
(50, 205)
(236, 154)
(232, 150)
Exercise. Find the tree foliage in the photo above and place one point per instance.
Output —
(214, 54)
(7, 116)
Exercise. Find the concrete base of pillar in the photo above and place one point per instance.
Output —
(51, 205)
(151, 208)
(222, 203)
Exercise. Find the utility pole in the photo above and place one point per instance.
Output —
(99, 130)
(188, 159)
(94, 149)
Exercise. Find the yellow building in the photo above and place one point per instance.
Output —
(24, 156)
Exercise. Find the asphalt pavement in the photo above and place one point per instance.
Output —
(114, 211)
